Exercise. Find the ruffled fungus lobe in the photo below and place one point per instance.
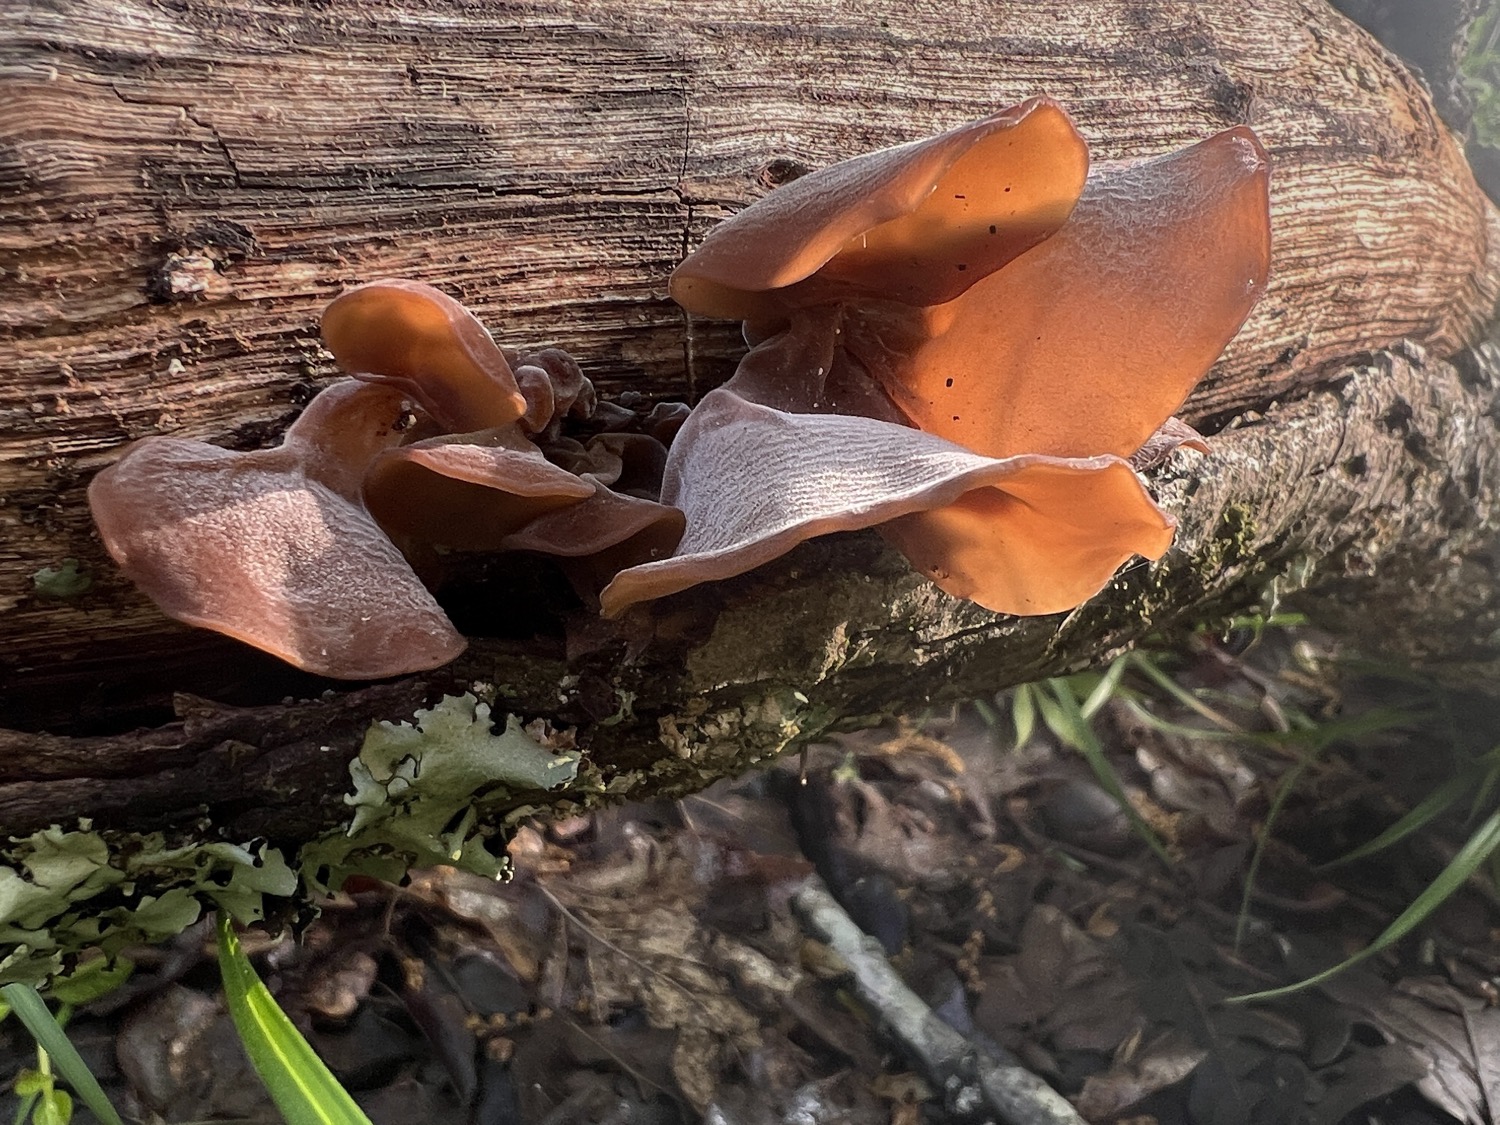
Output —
(905, 223)
(834, 472)
(306, 550)
(960, 341)
(420, 339)
(493, 484)
(274, 547)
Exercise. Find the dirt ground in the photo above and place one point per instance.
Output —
(663, 964)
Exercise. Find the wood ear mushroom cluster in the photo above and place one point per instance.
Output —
(308, 550)
(960, 341)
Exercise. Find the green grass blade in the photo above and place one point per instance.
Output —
(1321, 735)
(987, 714)
(1140, 711)
(1484, 795)
(1058, 708)
(1023, 713)
(1283, 791)
(1476, 850)
(1314, 737)
(1148, 668)
(1105, 689)
(303, 1089)
(1420, 816)
(31, 1010)
(1258, 623)
(1060, 711)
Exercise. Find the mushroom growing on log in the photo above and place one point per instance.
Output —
(879, 295)
(190, 188)
(276, 547)
(959, 341)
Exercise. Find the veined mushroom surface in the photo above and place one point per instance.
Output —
(962, 341)
(321, 551)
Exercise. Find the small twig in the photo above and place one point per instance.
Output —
(973, 1079)
(635, 1072)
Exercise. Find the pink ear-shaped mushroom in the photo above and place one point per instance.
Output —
(418, 338)
(1027, 534)
(274, 547)
(471, 489)
(606, 534)
(493, 489)
(1049, 365)
(469, 492)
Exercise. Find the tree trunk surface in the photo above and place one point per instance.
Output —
(185, 186)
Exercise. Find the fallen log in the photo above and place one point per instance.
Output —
(186, 188)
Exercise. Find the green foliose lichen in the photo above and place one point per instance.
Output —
(421, 792)
(65, 891)
(421, 789)
(66, 580)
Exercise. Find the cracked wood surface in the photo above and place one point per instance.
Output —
(185, 187)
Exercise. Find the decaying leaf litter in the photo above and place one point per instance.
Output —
(646, 963)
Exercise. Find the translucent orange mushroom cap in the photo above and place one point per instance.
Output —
(489, 485)
(1088, 343)
(420, 339)
(1028, 534)
(917, 223)
(972, 290)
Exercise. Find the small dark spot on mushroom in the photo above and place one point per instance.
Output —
(962, 266)
(1007, 188)
(955, 417)
(957, 196)
(993, 229)
(1357, 466)
(950, 382)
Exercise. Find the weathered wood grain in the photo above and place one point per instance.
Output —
(184, 186)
